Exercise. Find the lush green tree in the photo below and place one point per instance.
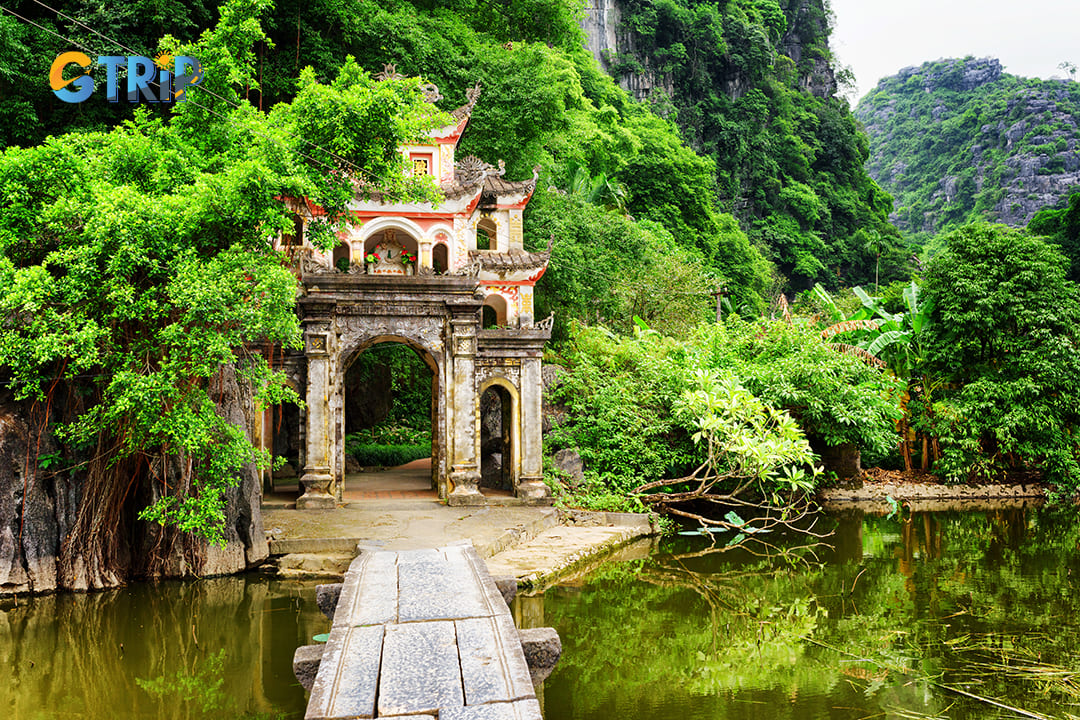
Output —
(136, 268)
(1062, 226)
(835, 397)
(1003, 335)
(619, 394)
(29, 111)
(607, 267)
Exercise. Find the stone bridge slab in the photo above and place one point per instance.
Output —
(422, 632)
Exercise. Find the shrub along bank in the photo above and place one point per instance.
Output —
(746, 394)
(976, 377)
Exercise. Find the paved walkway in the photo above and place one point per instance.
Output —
(411, 481)
(397, 510)
(402, 525)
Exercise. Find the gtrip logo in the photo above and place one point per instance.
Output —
(147, 80)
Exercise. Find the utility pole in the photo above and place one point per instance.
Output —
(720, 294)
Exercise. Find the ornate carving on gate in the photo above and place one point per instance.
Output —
(427, 332)
(486, 370)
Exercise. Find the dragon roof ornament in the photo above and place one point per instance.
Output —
(471, 170)
(471, 96)
(389, 72)
(430, 91)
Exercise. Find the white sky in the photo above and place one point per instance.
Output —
(878, 37)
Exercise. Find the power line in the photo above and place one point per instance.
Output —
(42, 27)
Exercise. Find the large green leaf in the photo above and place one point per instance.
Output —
(886, 339)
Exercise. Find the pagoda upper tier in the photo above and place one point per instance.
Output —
(476, 230)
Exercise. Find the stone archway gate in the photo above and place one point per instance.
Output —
(439, 316)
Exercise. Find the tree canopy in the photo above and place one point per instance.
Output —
(136, 265)
(1002, 360)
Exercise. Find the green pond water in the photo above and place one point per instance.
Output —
(982, 602)
(877, 627)
(218, 648)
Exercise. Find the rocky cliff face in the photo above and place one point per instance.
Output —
(609, 41)
(621, 51)
(39, 505)
(959, 75)
(806, 42)
(956, 141)
(36, 507)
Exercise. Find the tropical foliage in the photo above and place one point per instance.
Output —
(136, 269)
(1003, 340)
(751, 393)
(607, 268)
(883, 338)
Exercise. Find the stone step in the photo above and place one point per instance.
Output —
(559, 550)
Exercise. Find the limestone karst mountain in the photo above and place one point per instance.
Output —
(960, 140)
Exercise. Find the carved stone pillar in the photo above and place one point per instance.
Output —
(424, 257)
(531, 487)
(317, 480)
(464, 467)
(336, 393)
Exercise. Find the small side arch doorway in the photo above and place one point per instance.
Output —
(440, 258)
(499, 413)
(494, 311)
(342, 257)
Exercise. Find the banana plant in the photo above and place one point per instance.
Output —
(603, 190)
(893, 339)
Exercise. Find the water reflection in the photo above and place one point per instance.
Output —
(897, 611)
(900, 615)
(220, 648)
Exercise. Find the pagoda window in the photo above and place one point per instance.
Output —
(440, 258)
(487, 234)
(421, 163)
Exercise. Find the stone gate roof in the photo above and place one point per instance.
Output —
(511, 260)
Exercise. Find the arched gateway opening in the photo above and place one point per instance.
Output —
(390, 408)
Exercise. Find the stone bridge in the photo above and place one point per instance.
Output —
(425, 633)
